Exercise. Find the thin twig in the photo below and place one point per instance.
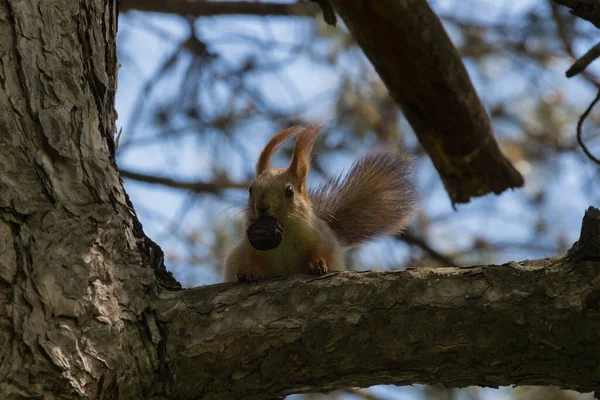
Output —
(199, 187)
(561, 30)
(580, 126)
(585, 60)
(362, 393)
(328, 13)
(415, 240)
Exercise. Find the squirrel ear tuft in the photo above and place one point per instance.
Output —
(301, 159)
(264, 161)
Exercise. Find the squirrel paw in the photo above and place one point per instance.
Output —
(247, 277)
(317, 267)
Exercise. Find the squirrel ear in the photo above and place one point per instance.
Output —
(264, 161)
(301, 159)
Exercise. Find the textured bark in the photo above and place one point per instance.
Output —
(73, 265)
(412, 53)
(530, 323)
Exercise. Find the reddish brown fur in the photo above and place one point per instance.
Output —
(300, 163)
(251, 269)
(264, 161)
(375, 198)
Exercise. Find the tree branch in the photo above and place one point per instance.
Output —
(410, 238)
(199, 187)
(84, 310)
(582, 63)
(529, 323)
(424, 73)
(586, 9)
(587, 152)
(213, 8)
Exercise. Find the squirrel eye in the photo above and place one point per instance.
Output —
(250, 189)
(289, 191)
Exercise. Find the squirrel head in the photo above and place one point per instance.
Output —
(282, 192)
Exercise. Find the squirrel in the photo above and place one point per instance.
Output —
(376, 197)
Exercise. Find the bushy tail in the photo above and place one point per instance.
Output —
(375, 198)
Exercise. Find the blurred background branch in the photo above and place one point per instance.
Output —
(198, 8)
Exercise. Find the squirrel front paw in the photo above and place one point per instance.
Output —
(248, 277)
(317, 267)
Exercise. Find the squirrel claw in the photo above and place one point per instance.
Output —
(247, 277)
(317, 267)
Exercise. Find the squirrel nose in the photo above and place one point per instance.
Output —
(263, 208)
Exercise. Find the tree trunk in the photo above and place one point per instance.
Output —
(74, 278)
(87, 309)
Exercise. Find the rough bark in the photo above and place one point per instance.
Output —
(73, 265)
(530, 323)
(424, 73)
(85, 305)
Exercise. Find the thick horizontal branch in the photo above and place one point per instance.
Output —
(530, 323)
(198, 8)
(200, 187)
(424, 73)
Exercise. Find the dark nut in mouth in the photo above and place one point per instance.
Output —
(265, 233)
